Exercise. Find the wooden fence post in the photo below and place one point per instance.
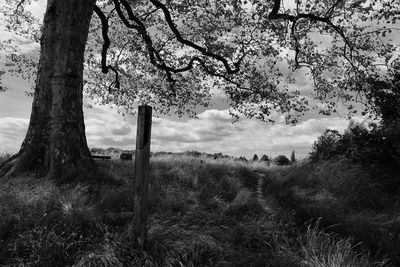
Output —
(141, 176)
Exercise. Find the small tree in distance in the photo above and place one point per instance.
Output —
(266, 159)
(293, 157)
(242, 158)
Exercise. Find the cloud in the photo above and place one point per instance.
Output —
(212, 132)
(117, 142)
(12, 133)
(121, 130)
(216, 115)
(105, 128)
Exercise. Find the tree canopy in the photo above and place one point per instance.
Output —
(175, 54)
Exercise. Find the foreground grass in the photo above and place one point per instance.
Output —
(347, 201)
(202, 213)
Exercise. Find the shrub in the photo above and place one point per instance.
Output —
(326, 146)
(281, 160)
(266, 159)
(356, 188)
(376, 149)
(242, 158)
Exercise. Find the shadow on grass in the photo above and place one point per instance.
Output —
(344, 200)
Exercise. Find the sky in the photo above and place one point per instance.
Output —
(212, 132)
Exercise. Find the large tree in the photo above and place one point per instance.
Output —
(55, 144)
(172, 53)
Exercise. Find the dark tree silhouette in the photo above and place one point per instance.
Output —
(293, 157)
(281, 160)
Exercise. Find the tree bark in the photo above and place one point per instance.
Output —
(55, 144)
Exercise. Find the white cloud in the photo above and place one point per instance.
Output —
(12, 133)
(212, 132)
(105, 128)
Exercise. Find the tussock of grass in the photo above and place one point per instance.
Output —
(102, 256)
(329, 250)
(244, 205)
(202, 212)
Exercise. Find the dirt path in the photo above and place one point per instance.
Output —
(260, 197)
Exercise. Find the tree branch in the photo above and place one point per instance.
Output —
(274, 14)
(205, 52)
(155, 57)
(154, 54)
(106, 44)
(128, 9)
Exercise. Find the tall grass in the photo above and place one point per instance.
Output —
(345, 199)
(329, 250)
(201, 213)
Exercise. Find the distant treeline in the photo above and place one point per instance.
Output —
(116, 152)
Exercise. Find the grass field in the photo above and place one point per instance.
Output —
(203, 213)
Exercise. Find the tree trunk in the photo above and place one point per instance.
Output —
(55, 144)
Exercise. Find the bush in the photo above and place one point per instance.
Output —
(377, 150)
(326, 146)
(243, 159)
(281, 160)
(356, 189)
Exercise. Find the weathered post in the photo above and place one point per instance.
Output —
(141, 176)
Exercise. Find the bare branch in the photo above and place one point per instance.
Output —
(122, 16)
(106, 44)
(154, 55)
(145, 16)
(20, 5)
(332, 8)
(204, 51)
(274, 14)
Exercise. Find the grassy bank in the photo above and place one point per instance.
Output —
(345, 200)
(202, 213)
